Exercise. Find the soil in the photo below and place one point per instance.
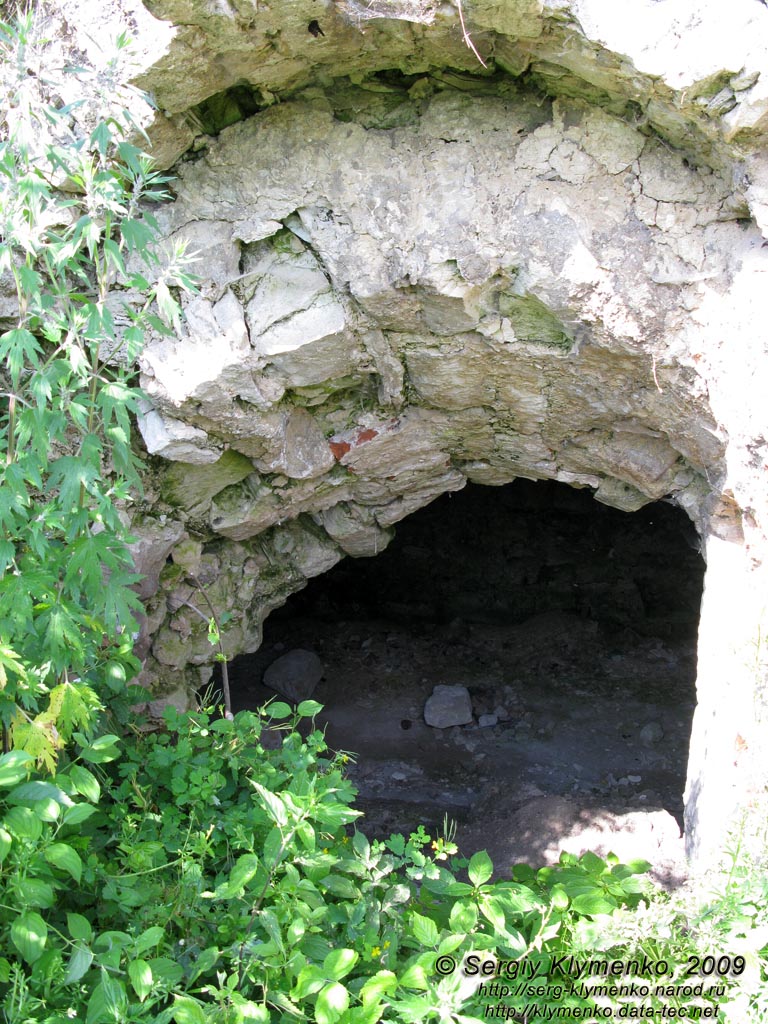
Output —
(588, 752)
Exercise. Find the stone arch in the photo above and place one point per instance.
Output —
(400, 297)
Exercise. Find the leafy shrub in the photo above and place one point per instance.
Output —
(219, 879)
(76, 244)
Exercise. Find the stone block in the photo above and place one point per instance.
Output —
(448, 706)
(295, 674)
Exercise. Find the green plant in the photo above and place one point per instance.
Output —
(80, 253)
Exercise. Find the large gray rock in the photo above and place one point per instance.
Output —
(448, 705)
(295, 674)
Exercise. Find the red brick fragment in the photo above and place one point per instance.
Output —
(339, 448)
(366, 435)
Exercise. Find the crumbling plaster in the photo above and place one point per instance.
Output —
(417, 271)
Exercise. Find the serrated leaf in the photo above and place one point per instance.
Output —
(382, 983)
(310, 980)
(20, 349)
(187, 1011)
(424, 930)
(29, 934)
(37, 737)
(415, 977)
(332, 1001)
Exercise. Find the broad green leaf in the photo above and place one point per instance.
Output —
(480, 868)
(361, 845)
(339, 885)
(272, 804)
(149, 938)
(382, 983)
(310, 980)
(204, 963)
(65, 857)
(108, 1002)
(34, 892)
(248, 1012)
(31, 793)
(29, 934)
(102, 750)
(339, 963)
(424, 930)
(592, 863)
(415, 977)
(79, 927)
(166, 972)
(278, 709)
(85, 783)
(308, 709)
(245, 868)
(334, 815)
(140, 974)
(5, 844)
(493, 909)
(592, 905)
(14, 767)
(451, 942)
(307, 836)
(463, 917)
(332, 1001)
(79, 964)
(23, 823)
(77, 814)
(559, 897)
(187, 1011)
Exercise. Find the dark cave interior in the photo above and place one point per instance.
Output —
(572, 625)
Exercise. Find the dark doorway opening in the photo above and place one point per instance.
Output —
(573, 627)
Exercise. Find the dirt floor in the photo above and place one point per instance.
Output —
(588, 752)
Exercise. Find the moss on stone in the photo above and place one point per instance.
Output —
(533, 323)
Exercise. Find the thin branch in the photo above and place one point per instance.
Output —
(224, 670)
(466, 37)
